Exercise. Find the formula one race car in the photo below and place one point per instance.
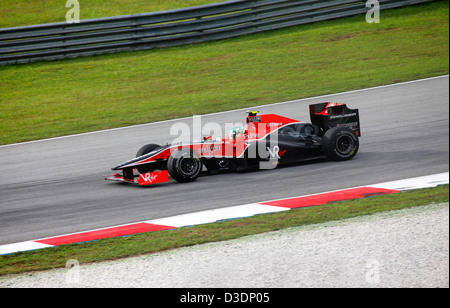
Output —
(267, 141)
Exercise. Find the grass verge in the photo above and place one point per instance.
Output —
(49, 99)
(145, 243)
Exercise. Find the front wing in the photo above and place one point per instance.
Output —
(144, 179)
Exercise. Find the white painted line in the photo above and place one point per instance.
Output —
(416, 183)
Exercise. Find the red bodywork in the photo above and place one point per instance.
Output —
(258, 127)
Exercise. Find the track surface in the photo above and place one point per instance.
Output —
(56, 186)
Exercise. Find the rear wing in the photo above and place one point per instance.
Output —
(328, 115)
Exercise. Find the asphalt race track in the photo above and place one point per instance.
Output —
(56, 186)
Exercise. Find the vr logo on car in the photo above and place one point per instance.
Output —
(148, 177)
(275, 152)
(153, 177)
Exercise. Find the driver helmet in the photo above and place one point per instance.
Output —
(236, 132)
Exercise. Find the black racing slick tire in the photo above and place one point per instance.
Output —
(184, 165)
(145, 150)
(340, 143)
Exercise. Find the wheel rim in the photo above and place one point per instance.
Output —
(344, 144)
(189, 166)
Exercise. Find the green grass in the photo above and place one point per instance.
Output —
(145, 243)
(49, 99)
(31, 12)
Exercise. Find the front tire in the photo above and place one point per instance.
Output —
(184, 165)
(145, 150)
(340, 143)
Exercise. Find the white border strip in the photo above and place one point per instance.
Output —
(22, 246)
(210, 216)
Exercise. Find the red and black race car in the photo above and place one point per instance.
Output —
(267, 141)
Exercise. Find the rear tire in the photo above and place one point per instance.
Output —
(145, 150)
(340, 143)
(184, 165)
